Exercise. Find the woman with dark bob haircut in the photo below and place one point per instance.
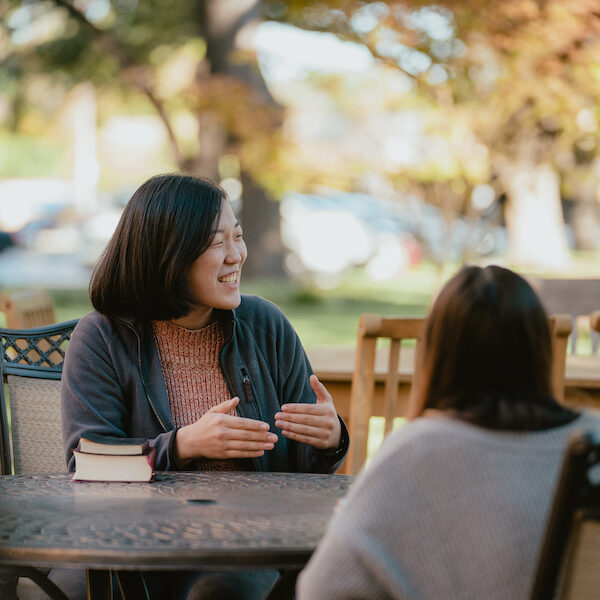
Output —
(174, 353)
(455, 502)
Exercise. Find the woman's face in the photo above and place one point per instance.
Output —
(214, 277)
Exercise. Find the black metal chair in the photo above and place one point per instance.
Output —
(31, 363)
(31, 367)
(570, 555)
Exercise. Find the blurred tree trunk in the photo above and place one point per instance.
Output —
(534, 216)
(582, 180)
(227, 28)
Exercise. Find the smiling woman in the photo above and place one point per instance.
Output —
(214, 277)
(174, 353)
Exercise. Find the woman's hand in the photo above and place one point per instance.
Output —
(314, 424)
(218, 434)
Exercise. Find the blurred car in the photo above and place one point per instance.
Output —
(6, 240)
(332, 233)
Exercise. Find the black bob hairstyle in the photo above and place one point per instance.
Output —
(169, 221)
(487, 354)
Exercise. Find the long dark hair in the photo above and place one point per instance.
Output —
(487, 354)
(169, 221)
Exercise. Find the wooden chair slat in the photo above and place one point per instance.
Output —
(391, 385)
(371, 328)
(560, 328)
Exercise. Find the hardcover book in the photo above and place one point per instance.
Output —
(114, 467)
(95, 443)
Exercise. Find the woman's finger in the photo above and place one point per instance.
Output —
(319, 443)
(318, 432)
(246, 424)
(249, 446)
(303, 418)
(243, 435)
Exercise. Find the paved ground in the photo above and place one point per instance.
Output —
(20, 268)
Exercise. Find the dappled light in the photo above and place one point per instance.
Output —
(378, 138)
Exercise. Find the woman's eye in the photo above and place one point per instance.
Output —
(239, 236)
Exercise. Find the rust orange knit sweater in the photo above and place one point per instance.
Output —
(190, 364)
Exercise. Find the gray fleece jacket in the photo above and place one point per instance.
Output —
(112, 384)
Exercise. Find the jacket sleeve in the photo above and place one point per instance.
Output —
(92, 398)
(295, 373)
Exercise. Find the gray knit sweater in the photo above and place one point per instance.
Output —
(445, 511)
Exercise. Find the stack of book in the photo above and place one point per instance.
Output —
(104, 458)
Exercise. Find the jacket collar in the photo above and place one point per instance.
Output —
(226, 317)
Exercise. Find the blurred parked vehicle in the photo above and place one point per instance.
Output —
(331, 233)
(6, 240)
(40, 216)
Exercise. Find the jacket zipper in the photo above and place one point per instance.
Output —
(247, 386)
(139, 362)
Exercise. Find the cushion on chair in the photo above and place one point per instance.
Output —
(36, 425)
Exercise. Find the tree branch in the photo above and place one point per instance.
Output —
(127, 73)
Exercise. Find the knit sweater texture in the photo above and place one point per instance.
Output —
(189, 359)
(446, 510)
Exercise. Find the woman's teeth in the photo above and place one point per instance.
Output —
(229, 278)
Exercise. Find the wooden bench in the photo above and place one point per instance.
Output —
(27, 309)
(576, 297)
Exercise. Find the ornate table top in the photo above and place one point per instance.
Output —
(176, 521)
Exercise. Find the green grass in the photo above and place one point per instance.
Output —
(330, 317)
(376, 427)
(321, 317)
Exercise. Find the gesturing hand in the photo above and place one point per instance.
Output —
(218, 434)
(315, 424)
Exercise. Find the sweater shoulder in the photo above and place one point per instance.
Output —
(425, 439)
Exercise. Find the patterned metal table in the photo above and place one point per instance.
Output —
(197, 520)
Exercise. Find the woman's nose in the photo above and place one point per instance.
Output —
(236, 253)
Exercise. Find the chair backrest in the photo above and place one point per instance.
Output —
(568, 561)
(560, 327)
(595, 320)
(27, 308)
(577, 297)
(31, 362)
(373, 327)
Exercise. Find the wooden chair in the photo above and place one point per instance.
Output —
(31, 363)
(372, 327)
(27, 309)
(561, 326)
(595, 320)
(568, 562)
(577, 297)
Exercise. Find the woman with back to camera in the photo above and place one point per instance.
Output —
(174, 353)
(455, 503)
